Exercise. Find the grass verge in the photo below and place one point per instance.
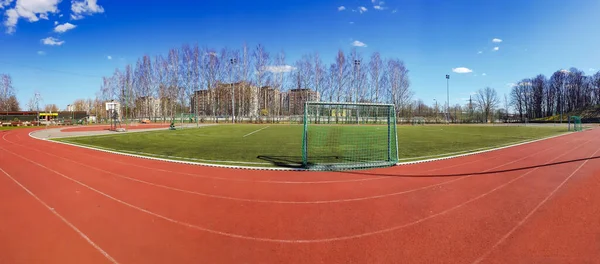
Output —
(280, 145)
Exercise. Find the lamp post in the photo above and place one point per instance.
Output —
(357, 69)
(357, 66)
(233, 63)
(435, 111)
(447, 98)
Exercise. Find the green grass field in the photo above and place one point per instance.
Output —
(277, 145)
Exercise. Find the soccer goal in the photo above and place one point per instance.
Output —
(576, 121)
(341, 136)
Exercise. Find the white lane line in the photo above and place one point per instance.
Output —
(256, 131)
(520, 223)
(61, 218)
(282, 201)
(296, 241)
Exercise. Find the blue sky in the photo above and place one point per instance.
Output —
(432, 37)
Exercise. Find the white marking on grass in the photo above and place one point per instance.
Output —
(275, 168)
(292, 202)
(111, 259)
(255, 131)
(520, 223)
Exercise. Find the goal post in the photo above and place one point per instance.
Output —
(341, 136)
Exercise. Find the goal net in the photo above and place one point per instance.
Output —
(341, 136)
(576, 121)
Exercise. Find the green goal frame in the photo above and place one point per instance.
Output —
(345, 136)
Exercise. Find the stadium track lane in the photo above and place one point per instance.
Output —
(275, 177)
(284, 251)
(283, 220)
(341, 192)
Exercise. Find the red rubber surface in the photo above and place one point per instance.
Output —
(105, 127)
(535, 203)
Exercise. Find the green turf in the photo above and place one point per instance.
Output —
(280, 145)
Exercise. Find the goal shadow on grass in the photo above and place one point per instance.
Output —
(295, 162)
(468, 173)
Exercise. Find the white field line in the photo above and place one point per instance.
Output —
(167, 156)
(465, 151)
(482, 151)
(85, 237)
(256, 131)
(279, 168)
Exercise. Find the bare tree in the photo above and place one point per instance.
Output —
(319, 75)
(261, 61)
(6, 91)
(173, 80)
(342, 75)
(487, 100)
(51, 108)
(375, 72)
(538, 85)
(398, 84)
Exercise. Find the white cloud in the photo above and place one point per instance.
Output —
(109, 57)
(592, 70)
(511, 84)
(80, 8)
(55, 23)
(378, 7)
(496, 40)
(41, 53)
(31, 10)
(373, 1)
(341, 8)
(394, 11)
(479, 52)
(462, 70)
(4, 3)
(357, 43)
(496, 48)
(351, 22)
(280, 68)
(362, 9)
(484, 74)
(52, 41)
(64, 27)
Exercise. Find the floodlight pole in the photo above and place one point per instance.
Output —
(233, 63)
(356, 86)
(448, 98)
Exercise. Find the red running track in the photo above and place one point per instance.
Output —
(535, 203)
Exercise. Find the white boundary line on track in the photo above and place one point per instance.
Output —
(255, 131)
(520, 223)
(278, 168)
(111, 259)
(295, 241)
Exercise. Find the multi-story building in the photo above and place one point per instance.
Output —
(297, 97)
(218, 101)
(148, 106)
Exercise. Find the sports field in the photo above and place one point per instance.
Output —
(280, 145)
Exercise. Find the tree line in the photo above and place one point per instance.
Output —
(8, 99)
(174, 78)
(564, 92)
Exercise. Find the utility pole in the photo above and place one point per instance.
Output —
(447, 98)
(233, 63)
(356, 86)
